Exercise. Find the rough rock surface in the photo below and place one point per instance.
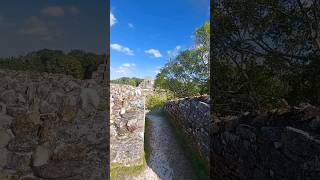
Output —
(275, 145)
(193, 117)
(126, 125)
(52, 126)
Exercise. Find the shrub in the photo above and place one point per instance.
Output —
(157, 99)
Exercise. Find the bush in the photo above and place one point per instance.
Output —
(157, 99)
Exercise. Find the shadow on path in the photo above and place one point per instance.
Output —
(167, 160)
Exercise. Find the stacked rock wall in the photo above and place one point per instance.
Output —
(275, 145)
(52, 127)
(126, 125)
(193, 117)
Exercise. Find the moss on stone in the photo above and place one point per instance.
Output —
(118, 170)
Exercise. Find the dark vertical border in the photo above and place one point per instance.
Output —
(107, 83)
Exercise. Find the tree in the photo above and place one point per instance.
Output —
(188, 73)
(261, 53)
(77, 63)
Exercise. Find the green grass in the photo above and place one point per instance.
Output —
(118, 170)
(147, 146)
(200, 165)
(157, 99)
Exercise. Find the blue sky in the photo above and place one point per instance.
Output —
(63, 25)
(144, 34)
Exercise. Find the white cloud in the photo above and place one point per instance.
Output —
(38, 28)
(130, 25)
(156, 53)
(113, 19)
(55, 11)
(125, 69)
(173, 53)
(123, 49)
(157, 70)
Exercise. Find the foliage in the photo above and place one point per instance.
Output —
(128, 81)
(118, 171)
(187, 74)
(157, 99)
(147, 134)
(77, 63)
(264, 54)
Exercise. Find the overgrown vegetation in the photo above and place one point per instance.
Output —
(118, 171)
(147, 145)
(187, 74)
(158, 98)
(200, 166)
(264, 54)
(77, 63)
(128, 81)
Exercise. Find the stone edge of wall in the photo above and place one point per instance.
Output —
(173, 109)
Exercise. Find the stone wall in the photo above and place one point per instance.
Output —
(275, 145)
(52, 127)
(126, 125)
(193, 117)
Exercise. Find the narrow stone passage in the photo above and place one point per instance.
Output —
(167, 160)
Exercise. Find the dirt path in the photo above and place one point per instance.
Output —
(167, 160)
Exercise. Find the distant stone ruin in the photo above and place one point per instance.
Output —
(146, 85)
(52, 126)
(101, 74)
(127, 117)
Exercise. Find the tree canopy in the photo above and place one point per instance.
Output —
(128, 81)
(187, 74)
(78, 63)
(264, 54)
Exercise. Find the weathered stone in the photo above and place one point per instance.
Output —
(6, 174)
(24, 126)
(193, 117)
(5, 121)
(69, 113)
(3, 157)
(69, 152)
(19, 162)
(20, 99)
(22, 144)
(70, 86)
(44, 113)
(5, 137)
(127, 125)
(315, 123)
(46, 108)
(89, 99)
(16, 110)
(3, 109)
(281, 146)
(29, 177)
(40, 156)
(59, 170)
(56, 98)
(8, 96)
